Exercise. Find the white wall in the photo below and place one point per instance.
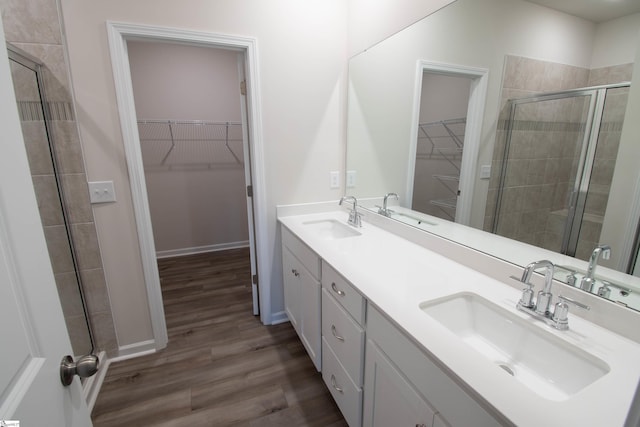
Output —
(616, 42)
(373, 21)
(174, 81)
(302, 66)
(443, 97)
(197, 197)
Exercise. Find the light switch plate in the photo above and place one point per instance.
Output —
(334, 179)
(485, 171)
(102, 192)
(351, 179)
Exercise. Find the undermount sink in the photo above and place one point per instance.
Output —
(544, 363)
(329, 229)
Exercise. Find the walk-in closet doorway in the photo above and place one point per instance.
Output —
(189, 120)
(188, 108)
(447, 122)
(189, 114)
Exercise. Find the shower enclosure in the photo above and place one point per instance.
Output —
(557, 167)
(36, 114)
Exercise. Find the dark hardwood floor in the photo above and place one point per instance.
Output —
(221, 366)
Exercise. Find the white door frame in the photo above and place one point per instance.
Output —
(119, 34)
(475, 113)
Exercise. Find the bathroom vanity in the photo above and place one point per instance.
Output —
(406, 336)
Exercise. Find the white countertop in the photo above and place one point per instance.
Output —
(397, 275)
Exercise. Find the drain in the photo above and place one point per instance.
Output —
(507, 369)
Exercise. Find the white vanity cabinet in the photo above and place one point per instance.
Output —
(391, 399)
(301, 271)
(343, 334)
(403, 386)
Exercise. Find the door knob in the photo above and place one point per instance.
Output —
(85, 367)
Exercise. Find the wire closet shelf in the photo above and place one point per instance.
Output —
(190, 143)
(444, 140)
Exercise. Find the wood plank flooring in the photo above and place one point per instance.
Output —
(222, 367)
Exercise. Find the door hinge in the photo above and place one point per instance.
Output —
(249, 190)
(243, 87)
(254, 279)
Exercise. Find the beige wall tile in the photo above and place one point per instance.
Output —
(104, 332)
(78, 332)
(86, 245)
(25, 83)
(95, 286)
(33, 21)
(58, 247)
(69, 294)
(609, 75)
(55, 72)
(76, 194)
(68, 148)
(46, 190)
(37, 145)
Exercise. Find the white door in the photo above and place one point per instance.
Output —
(32, 329)
(246, 146)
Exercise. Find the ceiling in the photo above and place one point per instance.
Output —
(593, 10)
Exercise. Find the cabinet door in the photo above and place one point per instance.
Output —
(290, 271)
(309, 315)
(389, 398)
(302, 304)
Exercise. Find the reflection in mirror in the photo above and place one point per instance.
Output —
(547, 170)
(440, 144)
(555, 168)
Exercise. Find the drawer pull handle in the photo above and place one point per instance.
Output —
(295, 272)
(334, 385)
(421, 425)
(336, 290)
(335, 334)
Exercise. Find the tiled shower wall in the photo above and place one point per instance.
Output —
(543, 153)
(35, 27)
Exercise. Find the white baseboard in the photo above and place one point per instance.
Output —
(279, 317)
(202, 249)
(138, 349)
(91, 386)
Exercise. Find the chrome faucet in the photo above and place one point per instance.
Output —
(589, 280)
(383, 210)
(541, 305)
(355, 217)
(540, 308)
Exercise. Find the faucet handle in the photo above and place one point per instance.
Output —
(574, 302)
(526, 300)
(561, 311)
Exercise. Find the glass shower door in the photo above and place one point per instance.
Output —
(543, 158)
(32, 109)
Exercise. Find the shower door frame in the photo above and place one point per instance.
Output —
(578, 197)
(28, 61)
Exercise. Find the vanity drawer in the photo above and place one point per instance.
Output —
(344, 293)
(347, 395)
(344, 336)
(307, 257)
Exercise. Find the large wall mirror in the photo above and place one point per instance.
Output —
(505, 125)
